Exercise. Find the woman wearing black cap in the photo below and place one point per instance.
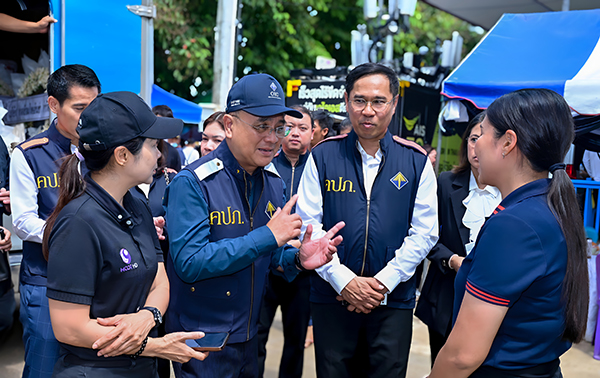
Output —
(107, 285)
(522, 293)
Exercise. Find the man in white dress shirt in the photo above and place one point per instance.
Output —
(384, 188)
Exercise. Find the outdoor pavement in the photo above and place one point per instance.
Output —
(576, 363)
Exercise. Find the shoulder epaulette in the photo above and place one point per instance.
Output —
(410, 144)
(337, 137)
(208, 168)
(271, 168)
(34, 143)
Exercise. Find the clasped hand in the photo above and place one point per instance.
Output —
(363, 294)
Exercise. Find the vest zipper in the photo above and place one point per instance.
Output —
(362, 269)
(251, 215)
(292, 183)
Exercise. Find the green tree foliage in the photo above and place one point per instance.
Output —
(278, 35)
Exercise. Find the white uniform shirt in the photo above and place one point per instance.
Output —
(422, 234)
(27, 224)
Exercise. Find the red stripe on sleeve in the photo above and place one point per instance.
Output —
(485, 296)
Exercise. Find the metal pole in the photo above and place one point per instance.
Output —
(147, 69)
(224, 51)
(566, 5)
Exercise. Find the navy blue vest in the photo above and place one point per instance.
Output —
(43, 153)
(290, 175)
(228, 303)
(376, 228)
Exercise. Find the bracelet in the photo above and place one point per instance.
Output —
(137, 354)
(298, 263)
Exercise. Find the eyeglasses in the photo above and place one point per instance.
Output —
(360, 104)
(280, 131)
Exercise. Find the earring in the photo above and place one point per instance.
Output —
(503, 155)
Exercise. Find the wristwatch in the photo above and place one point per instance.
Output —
(157, 315)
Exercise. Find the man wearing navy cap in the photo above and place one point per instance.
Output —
(228, 225)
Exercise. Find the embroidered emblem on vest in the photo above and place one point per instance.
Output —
(46, 181)
(270, 210)
(339, 185)
(218, 218)
(399, 180)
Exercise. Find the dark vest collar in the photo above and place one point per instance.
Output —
(58, 138)
(531, 189)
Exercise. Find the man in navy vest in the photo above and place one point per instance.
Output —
(384, 188)
(228, 225)
(34, 184)
(292, 296)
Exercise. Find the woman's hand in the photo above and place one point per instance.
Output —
(172, 347)
(127, 336)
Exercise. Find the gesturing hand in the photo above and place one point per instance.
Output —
(283, 225)
(316, 253)
(159, 225)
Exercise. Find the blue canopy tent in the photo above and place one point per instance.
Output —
(185, 110)
(554, 50)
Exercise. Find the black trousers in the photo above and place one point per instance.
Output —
(293, 297)
(349, 345)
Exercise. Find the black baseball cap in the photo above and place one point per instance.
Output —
(260, 95)
(114, 118)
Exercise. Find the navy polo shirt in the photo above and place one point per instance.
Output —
(520, 262)
(103, 255)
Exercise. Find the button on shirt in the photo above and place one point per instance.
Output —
(422, 235)
(102, 255)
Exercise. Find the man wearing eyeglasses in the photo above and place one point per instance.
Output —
(384, 189)
(228, 226)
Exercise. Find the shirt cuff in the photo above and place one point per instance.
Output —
(263, 239)
(389, 277)
(340, 277)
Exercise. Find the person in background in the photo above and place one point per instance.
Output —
(323, 126)
(34, 185)
(213, 133)
(14, 25)
(431, 153)
(384, 188)
(190, 152)
(344, 127)
(522, 293)
(152, 195)
(293, 297)
(7, 293)
(170, 154)
(463, 205)
(107, 285)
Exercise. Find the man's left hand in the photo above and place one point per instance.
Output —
(159, 224)
(316, 253)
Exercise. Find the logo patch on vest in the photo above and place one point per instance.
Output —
(399, 180)
(270, 210)
(225, 218)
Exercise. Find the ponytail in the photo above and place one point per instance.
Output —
(72, 186)
(575, 293)
(545, 130)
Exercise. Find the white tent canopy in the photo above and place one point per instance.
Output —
(486, 13)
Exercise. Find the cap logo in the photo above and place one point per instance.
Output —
(234, 103)
(274, 93)
(125, 256)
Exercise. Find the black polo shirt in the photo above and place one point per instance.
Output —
(102, 255)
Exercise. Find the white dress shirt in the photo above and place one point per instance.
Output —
(27, 224)
(480, 203)
(422, 235)
(591, 162)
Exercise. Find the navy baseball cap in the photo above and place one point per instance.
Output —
(114, 118)
(260, 95)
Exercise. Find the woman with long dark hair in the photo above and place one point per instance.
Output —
(107, 285)
(522, 293)
(463, 205)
